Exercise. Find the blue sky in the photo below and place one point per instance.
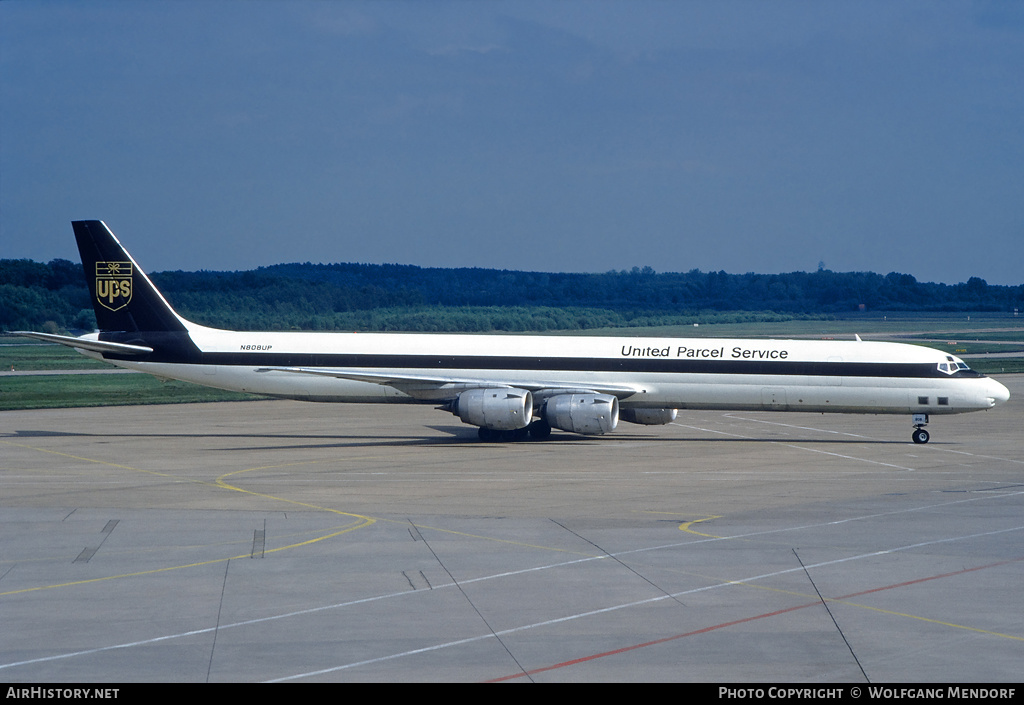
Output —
(738, 135)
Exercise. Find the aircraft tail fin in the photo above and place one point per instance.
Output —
(122, 295)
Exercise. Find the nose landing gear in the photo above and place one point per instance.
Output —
(920, 435)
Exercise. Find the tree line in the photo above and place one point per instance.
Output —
(53, 295)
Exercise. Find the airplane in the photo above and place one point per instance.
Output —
(516, 386)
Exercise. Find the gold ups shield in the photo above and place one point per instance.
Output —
(114, 284)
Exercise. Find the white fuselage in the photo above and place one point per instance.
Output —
(702, 373)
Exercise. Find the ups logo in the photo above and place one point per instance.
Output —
(114, 284)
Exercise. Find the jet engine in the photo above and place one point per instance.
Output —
(648, 417)
(501, 409)
(589, 414)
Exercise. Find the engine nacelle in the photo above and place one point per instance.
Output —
(648, 417)
(501, 409)
(589, 414)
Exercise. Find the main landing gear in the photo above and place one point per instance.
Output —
(538, 430)
(920, 435)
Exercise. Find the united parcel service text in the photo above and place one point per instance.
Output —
(737, 353)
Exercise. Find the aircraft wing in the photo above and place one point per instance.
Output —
(435, 388)
(100, 346)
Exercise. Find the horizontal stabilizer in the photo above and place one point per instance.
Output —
(100, 346)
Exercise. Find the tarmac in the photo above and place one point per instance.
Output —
(286, 541)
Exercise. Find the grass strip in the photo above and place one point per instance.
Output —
(63, 391)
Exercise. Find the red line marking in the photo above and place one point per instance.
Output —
(723, 625)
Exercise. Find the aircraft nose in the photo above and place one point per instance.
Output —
(997, 394)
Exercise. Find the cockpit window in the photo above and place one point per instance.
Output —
(953, 365)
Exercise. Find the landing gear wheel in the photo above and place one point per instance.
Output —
(540, 430)
(493, 435)
(920, 435)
